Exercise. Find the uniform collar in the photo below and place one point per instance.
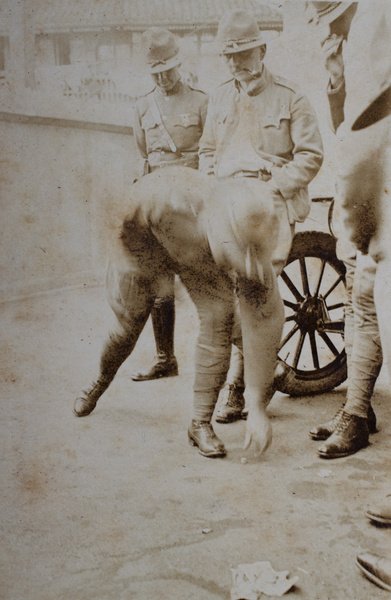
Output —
(171, 92)
(258, 84)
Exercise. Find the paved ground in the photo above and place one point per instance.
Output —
(113, 506)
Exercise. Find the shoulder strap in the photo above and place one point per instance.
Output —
(158, 118)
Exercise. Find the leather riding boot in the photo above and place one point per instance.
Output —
(323, 431)
(231, 404)
(165, 364)
(201, 434)
(350, 436)
(86, 402)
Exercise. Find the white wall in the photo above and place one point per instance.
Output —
(57, 188)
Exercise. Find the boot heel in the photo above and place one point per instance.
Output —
(191, 441)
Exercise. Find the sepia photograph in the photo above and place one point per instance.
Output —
(195, 300)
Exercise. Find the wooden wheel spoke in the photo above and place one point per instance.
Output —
(290, 318)
(320, 277)
(335, 306)
(329, 343)
(333, 327)
(332, 288)
(290, 285)
(299, 349)
(291, 305)
(304, 277)
(314, 350)
(289, 335)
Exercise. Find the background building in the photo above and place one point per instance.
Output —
(85, 55)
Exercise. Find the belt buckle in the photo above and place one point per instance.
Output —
(264, 175)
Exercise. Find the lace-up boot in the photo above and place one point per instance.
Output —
(350, 436)
(201, 434)
(323, 431)
(231, 404)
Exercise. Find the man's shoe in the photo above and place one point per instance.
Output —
(163, 367)
(381, 513)
(376, 568)
(201, 434)
(323, 431)
(231, 404)
(86, 402)
(350, 436)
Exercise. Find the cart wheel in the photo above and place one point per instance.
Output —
(312, 355)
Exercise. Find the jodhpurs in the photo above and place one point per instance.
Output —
(362, 338)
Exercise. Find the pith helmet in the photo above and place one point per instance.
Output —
(324, 13)
(238, 31)
(378, 108)
(160, 49)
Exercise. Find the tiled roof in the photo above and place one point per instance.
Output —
(64, 15)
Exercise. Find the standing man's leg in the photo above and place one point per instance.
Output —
(163, 322)
(382, 299)
(231, 401)
(357, 419)
(380, 250)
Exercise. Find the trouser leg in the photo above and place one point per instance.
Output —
(231, 400)
(366, 352)
(349, 311)
(380, 250)
(235, 375)
(131, 298)
(351, 426)
(383, 299)
(213, 299)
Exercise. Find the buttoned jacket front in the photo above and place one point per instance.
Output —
(284, 132)
(183, 113)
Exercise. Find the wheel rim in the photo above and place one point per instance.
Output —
(313, 291)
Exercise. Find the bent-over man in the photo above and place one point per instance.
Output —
(214, 234)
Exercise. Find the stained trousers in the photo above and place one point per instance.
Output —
(131, 295)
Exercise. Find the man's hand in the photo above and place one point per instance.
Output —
(333, 59)
(273, 187)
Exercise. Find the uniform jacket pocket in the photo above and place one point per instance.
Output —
(275, 119)
(148, 122)
(186, 120)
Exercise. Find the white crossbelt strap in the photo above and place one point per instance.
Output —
(158, 118)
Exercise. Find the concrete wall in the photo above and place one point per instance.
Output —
(57, 185)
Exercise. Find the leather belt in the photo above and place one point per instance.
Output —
(183, 161)
(262, 174)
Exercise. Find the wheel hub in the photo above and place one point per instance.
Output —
(311, 313)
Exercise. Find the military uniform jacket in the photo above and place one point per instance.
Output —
(284, 132)
(183, 113)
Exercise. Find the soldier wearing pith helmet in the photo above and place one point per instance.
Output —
(167, 128)
(262, 130)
